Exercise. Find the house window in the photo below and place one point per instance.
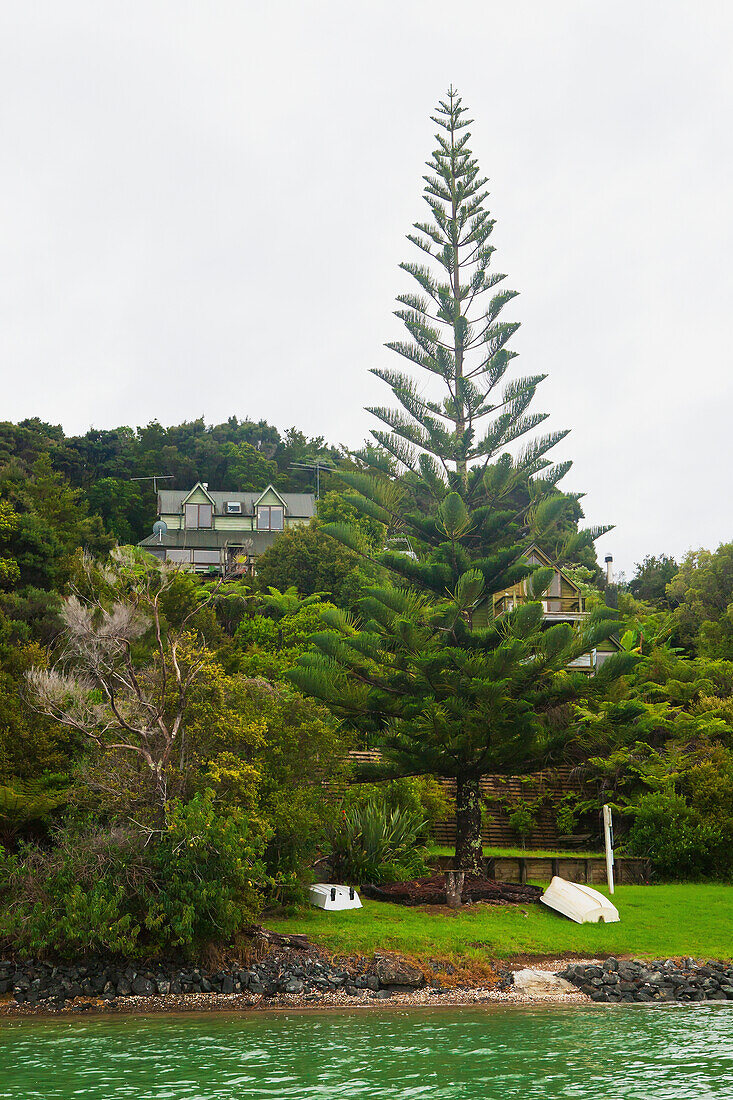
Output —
(198, 515)
(180, 557)
(234, 508)
(206, 557)
(269, 518)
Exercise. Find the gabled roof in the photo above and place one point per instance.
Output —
(271, 489)
(199, 485)
(534, 549)
(299, 505)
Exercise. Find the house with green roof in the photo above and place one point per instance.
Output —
(223, 532)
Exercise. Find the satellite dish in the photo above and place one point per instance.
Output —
(159, 528)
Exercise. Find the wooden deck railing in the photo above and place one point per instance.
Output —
(552, 605)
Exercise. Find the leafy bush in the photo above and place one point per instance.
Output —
(522, 822)
(680, 842)
(523, 816)
(420, 794)
(375, 843)
(568, 810)
(191, 884)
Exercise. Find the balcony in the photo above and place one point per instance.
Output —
(555, 608)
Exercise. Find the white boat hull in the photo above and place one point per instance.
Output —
(579, 903)
(326, 895)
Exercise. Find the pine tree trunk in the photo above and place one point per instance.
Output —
(469, 847)
(454, 888)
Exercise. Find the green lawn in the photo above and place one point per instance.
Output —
(506, 853)
(655, 921)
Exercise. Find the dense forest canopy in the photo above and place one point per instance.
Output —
(238, 455)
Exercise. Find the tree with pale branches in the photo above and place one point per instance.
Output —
(124, 676)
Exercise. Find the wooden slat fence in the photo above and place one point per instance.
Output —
(502, 788)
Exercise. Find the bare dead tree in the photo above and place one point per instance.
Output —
(123, 675)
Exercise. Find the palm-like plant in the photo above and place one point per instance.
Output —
(375, 843)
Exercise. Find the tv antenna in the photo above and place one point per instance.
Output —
(155, 478)
(316, 465)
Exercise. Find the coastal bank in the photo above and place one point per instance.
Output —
(303, 977)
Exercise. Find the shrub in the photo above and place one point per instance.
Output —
(207, 870)
(522, 822)
(373, 843)
(420, 794)
(523, 816)
(191, 884)
(567, 813)
(679, 841)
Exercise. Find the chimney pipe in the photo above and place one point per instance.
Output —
(609, 568)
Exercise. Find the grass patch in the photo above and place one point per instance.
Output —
(512, 853)
(666, 920)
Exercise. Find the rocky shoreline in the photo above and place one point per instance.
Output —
(284, 978)
(630, 980)
(36, 983)
(305, 979)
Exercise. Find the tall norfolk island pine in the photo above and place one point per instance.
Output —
(453, 691)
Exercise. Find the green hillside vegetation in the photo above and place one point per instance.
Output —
(174, 752)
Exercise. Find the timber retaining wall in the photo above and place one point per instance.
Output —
(534, 868)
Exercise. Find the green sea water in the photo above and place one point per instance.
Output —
(497, 1053)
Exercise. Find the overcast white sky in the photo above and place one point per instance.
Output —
(204, 206)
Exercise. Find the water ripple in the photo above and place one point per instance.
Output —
(622, 1053)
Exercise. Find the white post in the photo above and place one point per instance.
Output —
(608, 838)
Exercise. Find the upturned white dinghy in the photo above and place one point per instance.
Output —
(579, 903)
(327, 896)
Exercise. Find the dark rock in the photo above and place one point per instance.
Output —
(143, 987)
(395, 971)
(227, 985)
